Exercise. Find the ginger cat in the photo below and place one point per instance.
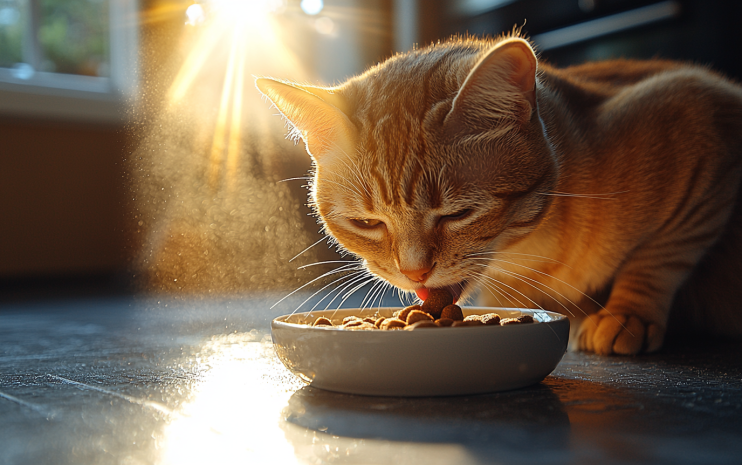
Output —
(605, 191)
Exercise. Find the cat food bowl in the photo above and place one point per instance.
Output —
(424, 362)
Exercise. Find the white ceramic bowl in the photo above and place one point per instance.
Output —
(423, 362)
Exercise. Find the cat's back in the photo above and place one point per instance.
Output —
(652, 82)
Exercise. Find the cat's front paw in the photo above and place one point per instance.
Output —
(605, 333)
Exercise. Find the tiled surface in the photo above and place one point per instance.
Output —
(140, 381)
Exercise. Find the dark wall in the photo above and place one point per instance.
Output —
(705, 31)
(62, 198)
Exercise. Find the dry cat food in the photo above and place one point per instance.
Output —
(437, 311)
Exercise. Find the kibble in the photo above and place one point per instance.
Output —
(352, 323)
(322, 321)
(443, 322)
(516, 321)
(490, 319)
(418, 315)
(438, 311)
(392, 323)
(421, 324)
(437, 300)
(452, 312)
(363, 326)
(457, 324)
(402, 314)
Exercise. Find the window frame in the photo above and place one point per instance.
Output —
(85, 98)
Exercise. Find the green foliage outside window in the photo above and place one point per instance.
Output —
(73, 36)
(13, 17)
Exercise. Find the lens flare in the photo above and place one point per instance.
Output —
(312, 7)
(195, 14)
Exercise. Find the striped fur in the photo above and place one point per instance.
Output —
(607, 191)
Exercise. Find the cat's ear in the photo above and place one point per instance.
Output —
(500, 88)
(316, 114)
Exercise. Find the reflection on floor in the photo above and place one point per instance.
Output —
(168, 381)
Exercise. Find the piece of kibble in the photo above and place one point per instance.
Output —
(351, 323)
(490, 319)
(378, 321)
(348, 319)
(417, 315)
(509, 321)
(402, 314)
(443, 322)
(453, 312)
(322, 321)
(473, 318)
(368, 319)
(525, 319)
(437, 300)
(363, 326)
(467, 323)
(392, 323)
(421, 324)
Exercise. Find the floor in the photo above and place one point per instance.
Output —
(161, 380)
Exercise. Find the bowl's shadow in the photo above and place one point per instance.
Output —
(534, 416)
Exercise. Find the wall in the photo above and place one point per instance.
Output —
(61, 198)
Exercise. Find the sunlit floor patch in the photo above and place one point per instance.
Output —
(234, 414)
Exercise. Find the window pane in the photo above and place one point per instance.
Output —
(74, 36)
(13, 19)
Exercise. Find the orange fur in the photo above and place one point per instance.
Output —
(593, 190)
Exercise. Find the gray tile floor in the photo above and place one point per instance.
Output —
(127, 380)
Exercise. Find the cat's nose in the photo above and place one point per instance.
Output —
(419, 275)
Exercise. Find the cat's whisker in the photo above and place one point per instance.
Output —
(544, 258)
(514, 258)
(345, 286)
(512, 300)
(485, 285)
(542, 309)
(354, 290)
(555, 278)
(378, 294)
(607, 196)
(498, 283)
(387, 286)
(359, 272)
(525, 280)
(328, 262)
(301, 178)
(370, 293)
(572, 287)
(324, 275)
(300, 253)
(322, 289)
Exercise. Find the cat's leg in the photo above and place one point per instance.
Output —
(635, 316)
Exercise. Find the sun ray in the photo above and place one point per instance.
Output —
(235, 131)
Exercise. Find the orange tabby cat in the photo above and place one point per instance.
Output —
(605, 189)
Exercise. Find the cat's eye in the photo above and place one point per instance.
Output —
(459, 215)
(366, 223)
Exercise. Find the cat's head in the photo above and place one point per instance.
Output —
(427, 159)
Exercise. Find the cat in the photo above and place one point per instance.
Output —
(606, 191)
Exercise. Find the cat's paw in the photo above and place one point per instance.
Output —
(622, 334)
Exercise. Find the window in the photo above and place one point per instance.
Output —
(75, 59)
